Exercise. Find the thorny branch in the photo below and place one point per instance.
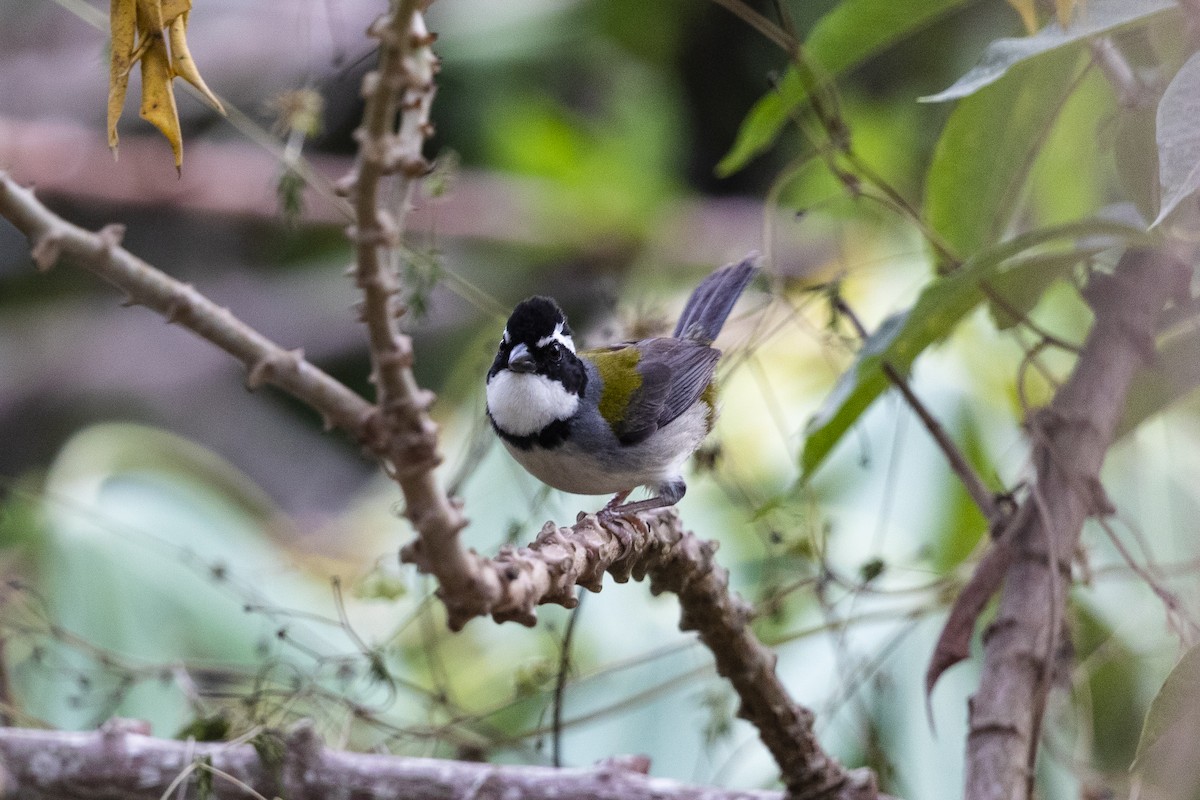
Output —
(403, 84)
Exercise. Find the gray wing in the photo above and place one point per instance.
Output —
(675, 372)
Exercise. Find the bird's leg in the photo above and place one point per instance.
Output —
(618, 498)
(669, 494)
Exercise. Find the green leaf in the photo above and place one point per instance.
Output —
(1022, 284)
(1098, 18)
(943, 303)
(1136, 158)
(1179, 138)
(1170, 707)
(849, 34)
(987, 149)
(1174, 374)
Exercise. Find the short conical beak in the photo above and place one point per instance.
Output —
(521, 360)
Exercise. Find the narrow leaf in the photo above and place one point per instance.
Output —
(182, 63)
(123, 26)
(1103, 16)
(1170, 707)
(848, 35)
(903, 337)
(158, 96)
(1179, 138)
(987, 149)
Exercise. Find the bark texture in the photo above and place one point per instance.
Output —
(116, 763)
(1070, 439)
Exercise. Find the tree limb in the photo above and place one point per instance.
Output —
(117, 764)
(53, 238)
(1070, 440)
(402, 84)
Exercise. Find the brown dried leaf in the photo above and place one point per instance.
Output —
(158, 96)
(182, 63)
(954, 643)
(123, 25)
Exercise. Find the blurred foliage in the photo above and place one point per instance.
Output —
(148, 576)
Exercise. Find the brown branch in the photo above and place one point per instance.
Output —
(518, 579)
(402, 84)
(1071, 438)
(117, 763)
(53, 238)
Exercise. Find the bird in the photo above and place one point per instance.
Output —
(615, 418)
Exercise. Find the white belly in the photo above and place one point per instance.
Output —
(579, 470)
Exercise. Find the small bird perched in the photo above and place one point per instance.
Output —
(614, 418)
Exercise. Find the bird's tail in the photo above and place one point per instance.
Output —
(710, 304)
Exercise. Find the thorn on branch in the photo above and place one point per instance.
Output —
(267, 368)
(179, 304)
(111, 237)
(418, 40)
(47, 250)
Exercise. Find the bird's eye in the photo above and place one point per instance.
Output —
(556, 353)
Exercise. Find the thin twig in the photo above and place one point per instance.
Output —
(560, 681)
(971, 480)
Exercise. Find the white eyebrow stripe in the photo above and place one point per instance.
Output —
(558, 336)
(506, 338)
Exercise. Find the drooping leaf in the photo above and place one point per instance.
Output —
(158, 98)
(1179, 138)
(954, 642)
(182, 63)
(848, 35)
(1170, 707)
(943, 303)
(153, 32)
(1102, 16)
(123, 25)
(987, 149)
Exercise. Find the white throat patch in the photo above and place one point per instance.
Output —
(558, 336)
(522, 403)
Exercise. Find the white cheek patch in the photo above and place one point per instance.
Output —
(558, 336)
(523, 403)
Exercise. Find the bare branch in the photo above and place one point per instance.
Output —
(1071, 438)
(403, 84)
(116, 763)
(52, 238)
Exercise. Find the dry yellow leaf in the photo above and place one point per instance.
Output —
(150, 16)
(153, 32)
(171, 9)
(182, 63)
(1028, 13)
(158, 97)
(123, 21)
